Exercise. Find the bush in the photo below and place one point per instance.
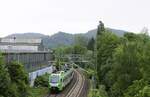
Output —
(41, 81)
(19, 78)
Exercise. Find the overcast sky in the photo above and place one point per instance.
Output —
(73, 16)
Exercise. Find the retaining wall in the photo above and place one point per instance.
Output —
(33, 75)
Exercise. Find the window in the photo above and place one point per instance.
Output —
(54, 79)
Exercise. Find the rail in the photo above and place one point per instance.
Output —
(75, 89)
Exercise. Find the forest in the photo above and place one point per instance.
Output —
(123, 64)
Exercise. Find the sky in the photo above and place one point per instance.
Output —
(72, 16)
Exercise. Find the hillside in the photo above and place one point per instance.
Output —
(58, 39)
(26, 35)
(92, 33)
(61, 38)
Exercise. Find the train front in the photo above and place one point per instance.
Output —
(55, 83)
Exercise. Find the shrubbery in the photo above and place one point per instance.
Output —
(13, 80)
(41, 81)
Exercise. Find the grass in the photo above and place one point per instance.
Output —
(38, 92)
(97, 92)
(94, 93)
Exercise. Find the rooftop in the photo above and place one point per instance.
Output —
(18, 40)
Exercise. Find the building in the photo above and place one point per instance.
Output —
(14, 44)
(31, 60)
(30, 52)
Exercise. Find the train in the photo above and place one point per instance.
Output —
(59, 80)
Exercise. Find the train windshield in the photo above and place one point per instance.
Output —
(54, 79)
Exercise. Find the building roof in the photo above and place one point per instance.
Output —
(23, 51)
(18, 40)
(28, 44)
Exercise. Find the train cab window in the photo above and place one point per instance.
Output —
(54, 79)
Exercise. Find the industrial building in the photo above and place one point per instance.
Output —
(30, 52)
(14, 44)
(31, 60)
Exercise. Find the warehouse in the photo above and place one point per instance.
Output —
(15, 44)
(31, 60)
(30, 52)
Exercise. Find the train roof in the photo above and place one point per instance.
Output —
(60, 72)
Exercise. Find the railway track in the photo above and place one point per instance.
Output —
(74, 89)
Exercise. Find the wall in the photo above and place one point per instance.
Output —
(10, 40)
(31, 60)
(33, 75)
(19, 47)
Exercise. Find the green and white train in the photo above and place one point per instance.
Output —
(59, 80)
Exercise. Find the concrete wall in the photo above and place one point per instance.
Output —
(21, 44)
(30, 60)
(11, 40)
(19, 47)
(33, 75)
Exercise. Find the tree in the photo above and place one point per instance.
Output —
(101, 28)
(7, 89)
(17, 72)
(42, 81)
(19, 77)
(4, 78)
(91, 44)
(81, 40)
(141, 88)
(78, 49)
(131, 36)
(106, 45)
(123, 63)
(126, 68)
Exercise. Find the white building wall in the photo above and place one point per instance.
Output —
(21, 40)
(19, 47)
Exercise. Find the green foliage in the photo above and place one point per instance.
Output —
(19, 77)
(135, 89)
(140, 88)
(63, 50)
(130, 36)
(13, 80)
(101, 28)
(98, 92)
(81, 40)
(106, 44)
(78, 49)
(123, 63)
(91, 44)
(41, 81)
(5, 81)
(17, 73)
(38, 92)
(125, 68)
